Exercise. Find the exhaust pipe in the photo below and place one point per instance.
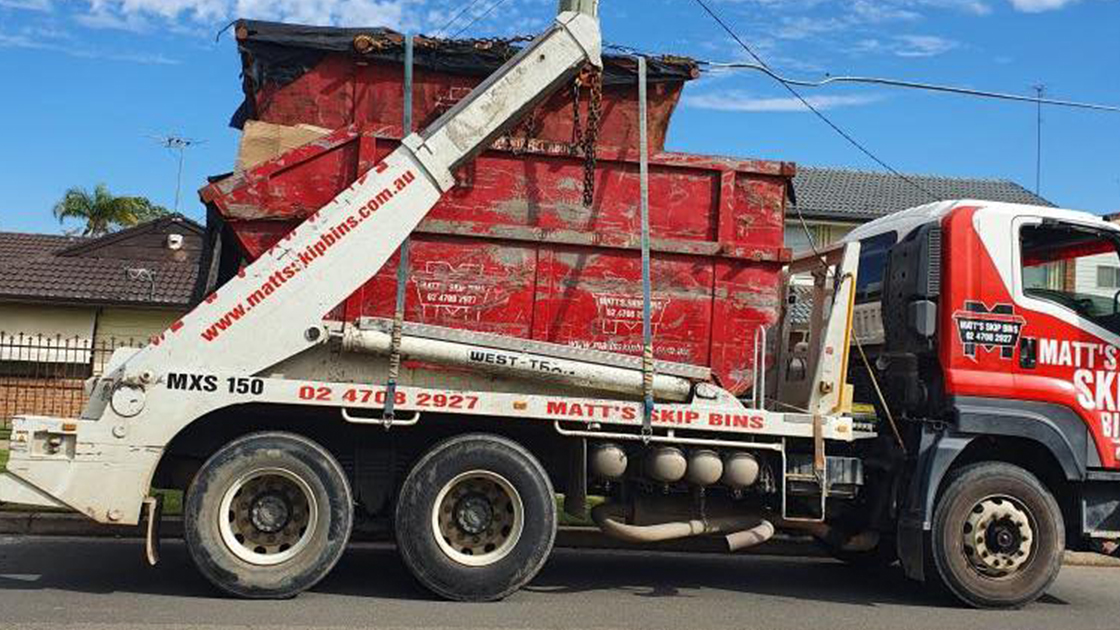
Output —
(750, 537)
(746, 531)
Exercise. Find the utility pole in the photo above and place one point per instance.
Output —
(1039, 90)
(179, 146)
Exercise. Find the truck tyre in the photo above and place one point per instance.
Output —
(268, 515)
(998, 536)
(476, 518)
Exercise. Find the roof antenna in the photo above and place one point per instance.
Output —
(1039, 90)
(143, 274)
(179, 145)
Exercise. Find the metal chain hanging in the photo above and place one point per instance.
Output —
(586, 139)
(527, 128)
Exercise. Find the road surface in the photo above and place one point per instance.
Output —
(87, 583)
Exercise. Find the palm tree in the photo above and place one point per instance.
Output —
(104, 212)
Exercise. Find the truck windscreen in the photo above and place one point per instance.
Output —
(1075, 268)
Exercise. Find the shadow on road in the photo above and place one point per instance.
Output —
(676, 575)
(376, 571)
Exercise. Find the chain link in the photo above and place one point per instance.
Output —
(586, 138)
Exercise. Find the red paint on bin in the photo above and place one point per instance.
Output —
(511, 249)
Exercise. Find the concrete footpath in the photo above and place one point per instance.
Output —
(76, 525)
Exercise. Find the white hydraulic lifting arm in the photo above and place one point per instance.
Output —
(274, 308)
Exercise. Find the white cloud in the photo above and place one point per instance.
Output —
(1038, 6)
(922, 45)
(29, 5)
(137, 15)
(53, 40)
(104, 19)
(906, 46)
(739, 101)
(509, 18)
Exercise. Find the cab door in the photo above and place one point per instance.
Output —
(1067, 288)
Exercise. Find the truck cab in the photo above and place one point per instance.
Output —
(994, 331)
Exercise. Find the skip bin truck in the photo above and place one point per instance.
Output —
(459, 330)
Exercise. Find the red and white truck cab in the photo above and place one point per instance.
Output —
(999, 348)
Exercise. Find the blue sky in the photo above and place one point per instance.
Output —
(89, 82)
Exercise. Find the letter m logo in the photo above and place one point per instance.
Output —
(981, 326)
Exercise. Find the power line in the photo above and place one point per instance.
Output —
(479, 17)
(810, 107)
(456, 17)
(931, 87)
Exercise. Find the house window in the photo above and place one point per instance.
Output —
(1108, 277)
(1074, 267)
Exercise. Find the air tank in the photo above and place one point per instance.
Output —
(704, 467)
(666, 464)
(607, 461)
(740, 470)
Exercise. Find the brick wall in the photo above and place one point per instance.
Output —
(46, 376)
(60, 397)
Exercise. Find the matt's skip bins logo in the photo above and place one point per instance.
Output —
(988, 328)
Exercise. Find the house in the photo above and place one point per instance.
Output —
(118, 288)
(833, 201)
(66, 303)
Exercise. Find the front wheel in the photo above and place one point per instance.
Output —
(998, 536)
(476, 518)
(268, 515)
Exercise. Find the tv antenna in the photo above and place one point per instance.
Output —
(178, 146)
(1039, 90)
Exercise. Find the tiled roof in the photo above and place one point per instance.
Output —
(852, 195)
(18, 246)
(51, 268)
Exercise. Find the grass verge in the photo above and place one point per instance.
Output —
(5, 435)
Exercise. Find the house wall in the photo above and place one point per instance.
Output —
(122, 325)
(45, 352)
(1086, 275)
(146, 245)
(48, 320)
(824, 233)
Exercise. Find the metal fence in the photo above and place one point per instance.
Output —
(40, 374)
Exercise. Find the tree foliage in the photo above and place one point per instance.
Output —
(103, 212)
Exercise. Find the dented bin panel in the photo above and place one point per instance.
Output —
(592, 298)
(745, 296)
(459, 283)
(719, 205)
(512, 250)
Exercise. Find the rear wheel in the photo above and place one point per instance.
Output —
(997, 537)
(268, 515)
(476, 518)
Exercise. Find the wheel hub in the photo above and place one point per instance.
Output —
(998, 537)
(1004, 536)
(270, 513)
(474, 514)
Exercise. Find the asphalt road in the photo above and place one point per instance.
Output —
(105, 584)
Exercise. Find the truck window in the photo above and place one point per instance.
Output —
(1076, 268)
(872, 264)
